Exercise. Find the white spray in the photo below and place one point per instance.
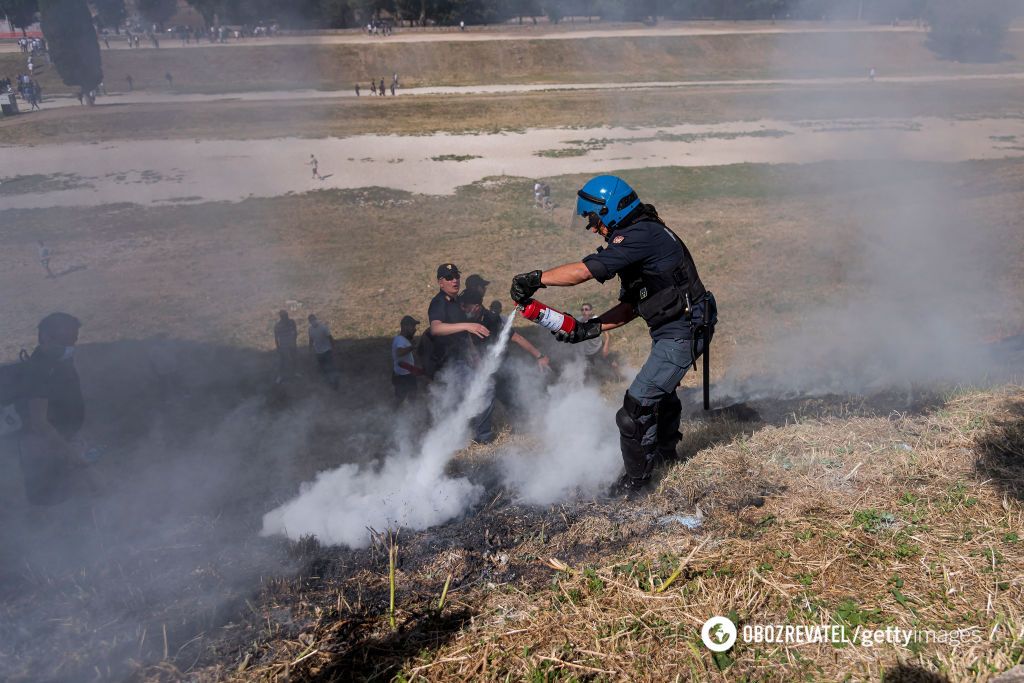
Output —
(410, 489)
(577, 450)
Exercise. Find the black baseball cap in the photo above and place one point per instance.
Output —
(474, 281)
(448, 271)
(408, 320)
(470, 297)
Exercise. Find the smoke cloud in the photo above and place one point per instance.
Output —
(574, 445)
(410, 489)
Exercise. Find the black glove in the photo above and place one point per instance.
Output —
(583, 331)
(524, 285)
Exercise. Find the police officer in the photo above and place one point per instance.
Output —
(451, 334)
(659, 283)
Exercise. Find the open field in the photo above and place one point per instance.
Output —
(236, 68)
(495, 113)
(863, 467)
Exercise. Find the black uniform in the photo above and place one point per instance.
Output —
(449, 347)
(659, 279)
(457, 349)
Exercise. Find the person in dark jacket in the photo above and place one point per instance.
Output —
(52, 412)
(659, 283)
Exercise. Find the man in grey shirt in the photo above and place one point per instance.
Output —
(321, 343)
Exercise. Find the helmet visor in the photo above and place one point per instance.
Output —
(586, 221)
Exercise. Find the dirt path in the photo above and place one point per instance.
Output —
(501, 88)
(157, 171)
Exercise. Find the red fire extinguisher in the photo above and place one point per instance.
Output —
(548, 317)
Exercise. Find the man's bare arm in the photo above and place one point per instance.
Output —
(566, 275)
(525, 345)
(617, 316)
(440, 329)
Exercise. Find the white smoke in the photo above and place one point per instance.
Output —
(574, 449)
(410, 489)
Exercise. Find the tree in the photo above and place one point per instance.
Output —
(71, 40)
(110, 13)
(969, 30)
(21, 13)
(157, 11)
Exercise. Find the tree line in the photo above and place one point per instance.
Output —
(111, 14)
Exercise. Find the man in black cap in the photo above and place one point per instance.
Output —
(403, 370)
(451, 334)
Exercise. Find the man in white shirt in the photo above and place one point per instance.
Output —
(321, 343)
(404, 370)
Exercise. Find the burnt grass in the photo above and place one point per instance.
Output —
(335, 603)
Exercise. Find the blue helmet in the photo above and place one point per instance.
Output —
(607, 197)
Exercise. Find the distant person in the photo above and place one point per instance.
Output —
(321, 344)
(392, 89)
(462, 25)
(373, 87)
(52, 410)
(394, 79)
(316, 167)
(871, 74)
(404, 370)
(381, 89)
(286, 343)
(131, 83)
(106, 41)
(169, 79)
(44, 259)
(357, 90)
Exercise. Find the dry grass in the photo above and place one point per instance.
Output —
(876, 522)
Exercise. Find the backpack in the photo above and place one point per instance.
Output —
(12, 380)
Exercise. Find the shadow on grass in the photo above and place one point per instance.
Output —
(1001, 451)
(382, 658)
(907, 673)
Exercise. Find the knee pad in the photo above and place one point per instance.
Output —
(633, 418)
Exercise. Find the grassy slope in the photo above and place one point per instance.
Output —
(847, 519)
(217, 272)
(284, 67)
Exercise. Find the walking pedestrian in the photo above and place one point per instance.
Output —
(44, 259)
